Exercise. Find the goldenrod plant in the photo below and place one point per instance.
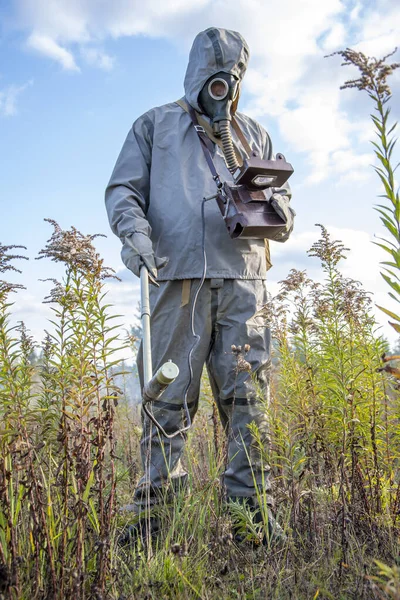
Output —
(329, 412)
(373, 80)
(57, 445)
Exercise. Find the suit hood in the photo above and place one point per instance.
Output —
(214, 50)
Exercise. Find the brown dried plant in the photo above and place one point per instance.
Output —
(57, 443)
(5, 266)
(76, 250)
(374, 72)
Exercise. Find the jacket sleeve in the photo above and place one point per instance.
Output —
(128, 191)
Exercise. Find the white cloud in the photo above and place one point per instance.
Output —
(62, 20)
(379, 31)
(352, 166)
(124, 295)
(8, 98)
(336, 38)
(306, 101)
(48, 47)
(289, 81)
(97, 58)
(355, 11)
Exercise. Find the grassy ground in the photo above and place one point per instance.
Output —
(69, 455)
(194, 556)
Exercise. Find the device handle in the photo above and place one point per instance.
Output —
(145, 318)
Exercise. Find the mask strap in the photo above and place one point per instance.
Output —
(209, 132)
(205, 144)
(241, 137)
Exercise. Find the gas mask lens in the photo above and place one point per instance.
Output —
(218, 89)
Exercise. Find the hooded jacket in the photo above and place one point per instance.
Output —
(161, 176)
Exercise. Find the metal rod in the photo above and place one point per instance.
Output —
(145, 318)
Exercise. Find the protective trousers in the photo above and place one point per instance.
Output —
(226, 314)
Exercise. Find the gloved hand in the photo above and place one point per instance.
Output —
(137, 251)
(282, 206)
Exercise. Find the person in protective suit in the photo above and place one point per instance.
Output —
(154, 201)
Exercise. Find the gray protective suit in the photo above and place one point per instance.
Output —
(156, 190)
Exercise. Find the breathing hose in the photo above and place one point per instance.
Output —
(227, 146)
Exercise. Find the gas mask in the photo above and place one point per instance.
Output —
(218, 99)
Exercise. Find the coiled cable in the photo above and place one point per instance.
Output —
(196, 296)
(185, 406)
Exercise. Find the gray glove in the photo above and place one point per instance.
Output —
(137, 251)
(282, 206)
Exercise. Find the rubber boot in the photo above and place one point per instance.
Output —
(139, 533)
(150, 499)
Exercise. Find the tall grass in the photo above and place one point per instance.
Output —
(334, 454)
(57, 453)
(330, 412)
(69, 455)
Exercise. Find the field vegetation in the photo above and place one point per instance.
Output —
(69, 439)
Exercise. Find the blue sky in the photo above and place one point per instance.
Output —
(74, 75)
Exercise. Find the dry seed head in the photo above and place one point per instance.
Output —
(75, 250)
(329, 252)
(27, 342)
(58, 293)
(269, 309)
(47, 345)
(5, 259)
(242, 365)
(179, 549)
(374, 72)
(294, 281)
